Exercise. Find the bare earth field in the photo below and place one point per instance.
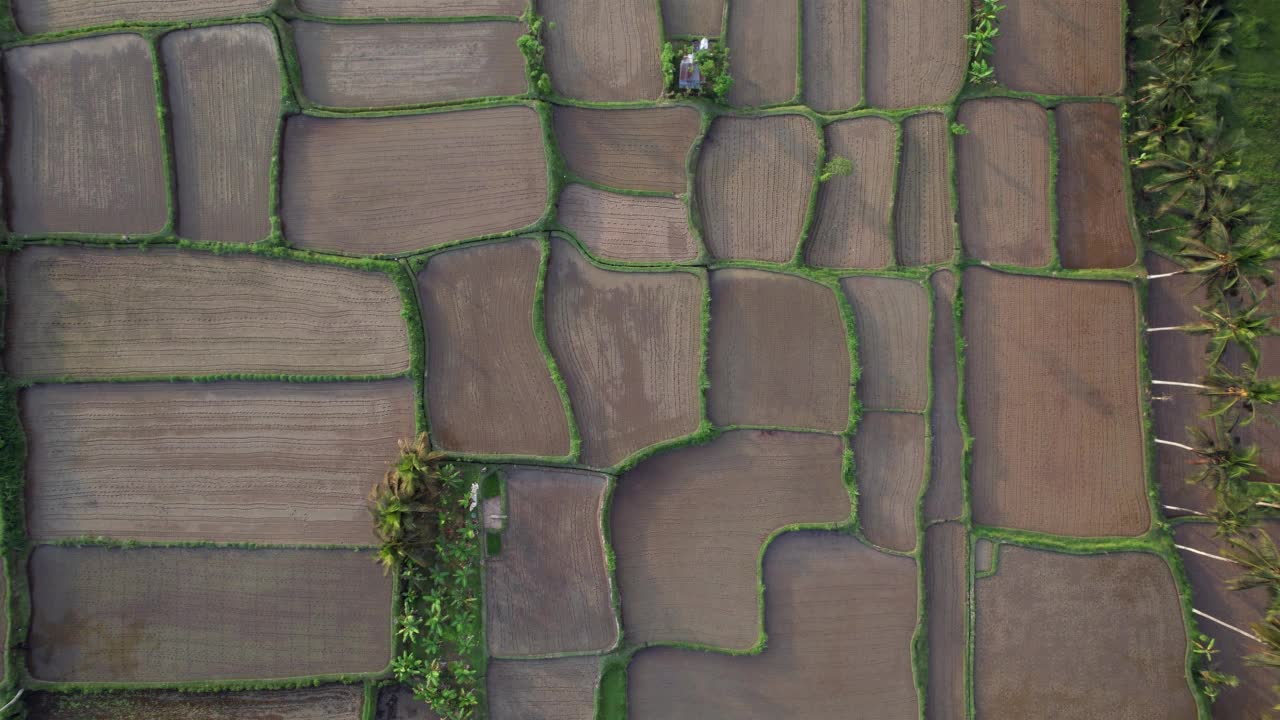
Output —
(945, 496)
(832, 54)
(924, 221)
(329, 702)
(765, 74)
(642, 149)
(224, 92)
(412, 8)
(851, 226)
(916, 51)
(825, 656)
(692, 17)
(629, 228)
(1036, 343)
(405, 64)
(1210, 594)
(688, 525)
(778, 352)
(225, 462)
(41, 16)
(177, 614)
(1003, 182)
(1062, 47)
(629, 346)
(397, 184)
(556, 689)
(753, 185)
(984, 555)
(82, 312)
(1093, 211)
(548, 590)
(84, 147)
(946, 582)
(603, 51)
(889, 452)
(1089, 636)
(1178, 357)
(489, 390)
(891, 323)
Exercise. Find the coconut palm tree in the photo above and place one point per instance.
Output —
(1244, 327)
(1228, 391)
(1194, 25)
(1181, 81)
(1189, 170)
(1223, 467)
(1227, 264)
(1256, 552)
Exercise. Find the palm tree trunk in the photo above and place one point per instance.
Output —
(1205, 554)
(1273, 506)
(1165, 275)
(1227, 625)
(11, 702)
(1180, 384)
(1189, 511)
(1188, 448)
(1167, 328)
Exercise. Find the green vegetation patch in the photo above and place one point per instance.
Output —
(697, 69)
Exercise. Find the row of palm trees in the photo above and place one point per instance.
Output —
(1199, 210)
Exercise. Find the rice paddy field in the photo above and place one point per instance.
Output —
(828, 396)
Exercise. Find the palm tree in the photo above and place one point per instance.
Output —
(1244, 327)
(1181, 81)
(1197, 25)
(1229, 390)
(1188, 171)
(1225, 263)
(1261, 562)
(1223, 467)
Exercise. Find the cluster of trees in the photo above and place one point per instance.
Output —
(1200, 210)
(423, 513)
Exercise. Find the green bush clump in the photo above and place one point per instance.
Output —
(491, 486)
(982, 41)
(535, 52)
(424, 516)
(835, 167)
(713, 63)
(493, 543)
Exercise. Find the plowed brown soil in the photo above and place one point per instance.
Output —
(778, 352)
(41, 16)
(945, 497)
(840, 618)
(412, 8)
(832, 54)
(489, 390)
(851, 226)
(1003, 185)
(396, 184)
(1052, 398)
(629, 346)
(243, 462)
(603, 51)
(642, 149)
(1088, 636)
(889, 458)
(81, 312)
(177, 614)
(84, 150)
(1093, 211)
(916, 52)
(548, 590)
(766, 73)
(946, 582)
(891, 322)
(404, 64)
(923, 218)
(754, 179)
(1061, 47)
(628, 227)
(224, 94)
(687, 528)
(330, 702)
(984, 555)
(556, 689)
(1210, 594)
(692, 17)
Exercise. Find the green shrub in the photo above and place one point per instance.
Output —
(982, 41)
(713, 63)
(535, 52)
(834, 167)
(491, 486)
(493, 543)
